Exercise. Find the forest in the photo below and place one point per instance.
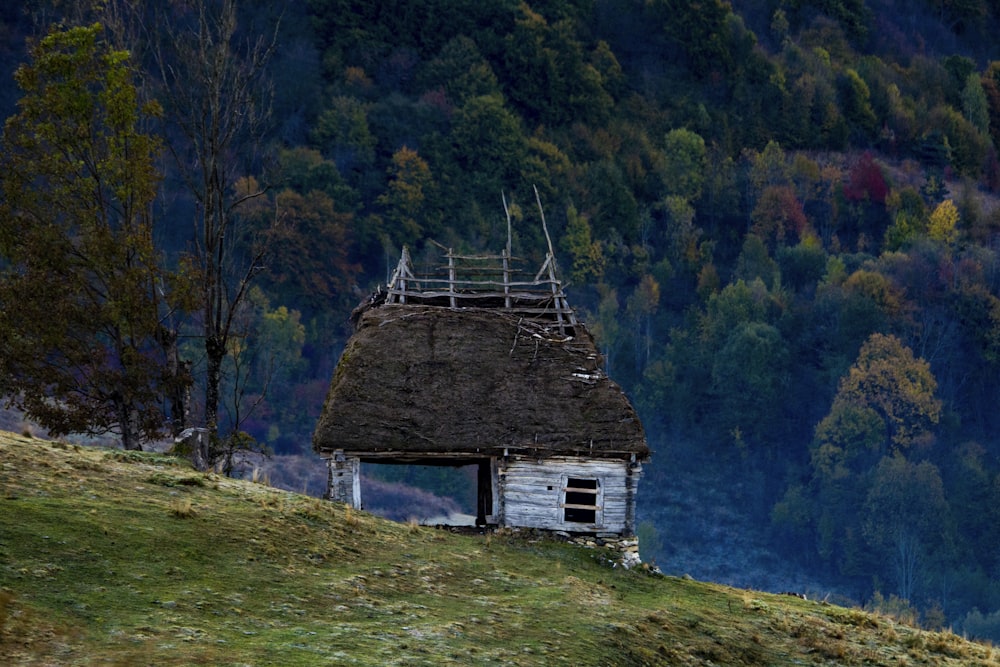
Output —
(780, 219)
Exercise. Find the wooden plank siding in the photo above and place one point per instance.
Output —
(532, 494)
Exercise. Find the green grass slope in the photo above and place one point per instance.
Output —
(115, 558)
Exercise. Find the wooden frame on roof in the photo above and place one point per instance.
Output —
(484, 281)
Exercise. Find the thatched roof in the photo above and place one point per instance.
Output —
(420, 380)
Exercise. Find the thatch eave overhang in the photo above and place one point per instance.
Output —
(467, 457)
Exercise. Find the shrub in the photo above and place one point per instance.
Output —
(894, 607)
(979, 626)
(182, 509)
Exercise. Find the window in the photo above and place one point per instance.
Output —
(581, 503)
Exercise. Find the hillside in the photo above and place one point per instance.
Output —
(108, 557)
(750, 204)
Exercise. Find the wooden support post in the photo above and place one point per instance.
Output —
(451, 279)
(556, 297)
(500, 489)
(484, 492)
(506, 278)
(344, 483)
(404, 270)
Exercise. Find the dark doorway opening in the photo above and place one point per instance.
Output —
(431, 492)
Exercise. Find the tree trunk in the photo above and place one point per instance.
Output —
(178, 374)
(215, 352)
(128, 436)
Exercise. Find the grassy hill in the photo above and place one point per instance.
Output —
(112, 557)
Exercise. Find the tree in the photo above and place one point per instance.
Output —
(965, 146)
(943, 224)
(991, 89)
(779, 215)
(641, 307)
(755, 262)
(763, 169)
(680, 231)
(83, 338)
(547, 73)
(461, 71)
(855, 103)
(685, 165)
(265, 354)
(309, 245)
(488, 146)
(845, 440)
(889, 381)
(216, 101)
(802, 266)
(343, 133)
(909, 217)
(975, 106)
(767, 167)
(866, 182)
(749, 374)
(960, 15)
(885, 404)
(866, 302)
(405, 198)
(606, 326)
(700, 32)
(738, 303)
(585, 253)
(905, 518)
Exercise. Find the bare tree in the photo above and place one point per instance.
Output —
(247, 357)
(217, 102)
(906, 563)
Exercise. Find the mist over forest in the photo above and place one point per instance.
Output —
(779, 219)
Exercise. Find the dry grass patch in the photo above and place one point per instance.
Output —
(182, 508)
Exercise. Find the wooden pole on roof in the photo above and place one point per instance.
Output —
(507, 213)
(451, 278)
(556, 296)
(404, 270)
(551, 262)
(506, 256)
(545, 228)
(393, 285)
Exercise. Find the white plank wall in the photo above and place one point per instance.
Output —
(531, 493)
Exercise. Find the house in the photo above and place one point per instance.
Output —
(475, 365)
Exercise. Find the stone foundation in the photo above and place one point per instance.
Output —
(627, 547)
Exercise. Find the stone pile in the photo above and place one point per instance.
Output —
(627, 547)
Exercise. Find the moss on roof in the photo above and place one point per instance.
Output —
(425, 380)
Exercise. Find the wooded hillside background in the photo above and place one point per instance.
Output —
(779, 219)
